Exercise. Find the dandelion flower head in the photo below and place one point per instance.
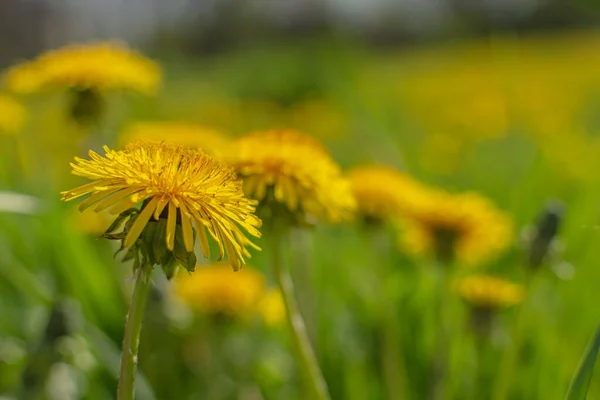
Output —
(296, 170)
(486, 291)
(466, 227)
(175, 185)
(186, 134)
(98, 66)
(12, 116)
(217, 290)
(384, 193)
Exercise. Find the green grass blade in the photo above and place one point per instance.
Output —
(581, 381)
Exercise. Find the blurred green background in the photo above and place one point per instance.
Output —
(500, 98)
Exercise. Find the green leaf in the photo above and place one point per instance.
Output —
(581, 381)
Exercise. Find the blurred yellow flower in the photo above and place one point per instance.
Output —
(174, 183)
(186, 134)
(96, 66)
(12, 116)
(485, 291)
(216, 289)
(384, 193)
(272, 308)
(91, 223)
(296, 170)
(466, 227)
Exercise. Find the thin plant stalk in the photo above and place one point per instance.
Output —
(306, 357)
(510, 358)
(390, 350)
(131, 340)
(441, 347)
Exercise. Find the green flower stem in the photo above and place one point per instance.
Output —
(392, 364)
(439, 378)
(306, 356)
(133, 327)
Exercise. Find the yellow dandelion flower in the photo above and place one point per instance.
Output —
(384, 193)
(96, 66)
(176, 185)
(296, 170)
(465, 227)
(190, 135)
(12, 116)
(217, 290)
(272, 308)
(485, 291)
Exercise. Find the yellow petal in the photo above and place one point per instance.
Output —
(202, 238)
(109, 201)
(161, 206)
(96, 197)
(186, 225)
(140, 223)
(171, 222)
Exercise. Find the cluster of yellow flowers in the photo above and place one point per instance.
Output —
(465, 226)
(216, 290)
(489, 292)
(98, 66)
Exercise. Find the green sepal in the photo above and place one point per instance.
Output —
(146, 242)
(136, 262)
(130, 255)
(170, 268)
(159, 246)
(167, 258)
(190, 264)
(114, 236)
(119, 220)
(179, 249)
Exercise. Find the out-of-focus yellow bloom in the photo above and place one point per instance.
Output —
(272, 308)
(12, 116)
(216, 289)
(296, 170)
(96, 66)
(465, 227)
(485, 291)
(186, 134)
(174, 183)
(383, 193)
(91, 223)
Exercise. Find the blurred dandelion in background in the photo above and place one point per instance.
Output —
(486, 295)
(216, 290)
(465, 227)
(12, 116)
(487, 291)
(293, 170)
(383, 193)
(88, 72)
